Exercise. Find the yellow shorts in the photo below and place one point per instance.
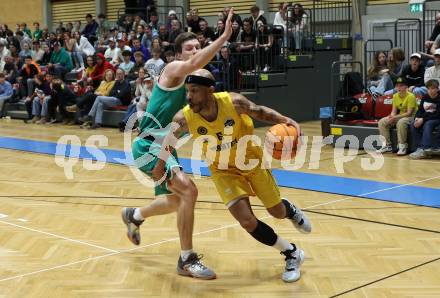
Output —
(233, 183)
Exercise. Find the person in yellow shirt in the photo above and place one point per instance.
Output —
(221, 124)
(404, 109)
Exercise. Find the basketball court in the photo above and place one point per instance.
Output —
(375, 233)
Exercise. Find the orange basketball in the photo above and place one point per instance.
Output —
(281, 138)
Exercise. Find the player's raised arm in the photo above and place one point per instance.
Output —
(261, 113)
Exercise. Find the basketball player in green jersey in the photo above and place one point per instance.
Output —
(180, 193)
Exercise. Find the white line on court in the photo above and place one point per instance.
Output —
(57, 236)
(195, 234)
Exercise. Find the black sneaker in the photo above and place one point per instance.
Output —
(133, 225)
(194, 267)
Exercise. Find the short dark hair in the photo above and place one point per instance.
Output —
(432, 84)
(28, 57)
(2, 75)
(19, 33)
(169, 53)
(89, 16)
(156, 51)
(101, 16)
(126, 53)
(255, 9)
(181, 38)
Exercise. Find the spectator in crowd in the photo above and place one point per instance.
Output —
(147, 38)
(204, 42)
(10, 70)
(60, 97)
(235, 17)
(38, 34)
(433, 72)
(90, 29)
(6, 93)
(119, 95)
(171, 17)
(69, 27)
(138, 47)
(138, 64)
(248, 37)
(175, 31)
(154, 21)
(264, 46)
(127, 23)
(22, 39)
(72, 48)
(60, 61)
(112, 52)
(14, 54)
(3, 51)
(155, 65)
(169, 56)
(40, 99)
(299, 20)
(38, 52)
(45, 34)
(396, 59)
(414, 75)
(126, 64)
(89, 69)
(83, 44)
(206, 30)
(229, 70)
(156, 44)
(24, 28)
(257, 15)
(26, 76)
(103, 26)
(435, 32)
(193, 20)
(25, 51)
(45, 59)
(85, 102)
(98, 74)
(219, 29)
(140, 32)
(236, 32)
(374, 73)
(144, 88)
(404, 108)
(122, 47)
(138, 21)
(426, 120)
(281, 16)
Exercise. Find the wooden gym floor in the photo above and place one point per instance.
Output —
(64, 238)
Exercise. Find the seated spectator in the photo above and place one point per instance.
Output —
(171, 17)
(25, 51)
(47, 54)
(163, 33)
(3, 51)
(85, 102)
(88, 70)
(126, 64)
(435, 32)
(98, 74)
(69, 27)
(427, 119)
(41, 98)
(137, 47)
(10, 70)
(299, 21)
(396, 59)
(138, 64)
(264, 46)
(404, 108)
(235, 17)
(147, 38)
(122, 47)
(204, 42)
(144, 89)
(140, 32)
(26, 77)
(24, 28)
(257, 15)
(219, 29)
(155, 65)
(193, 20)
(206, 30)
(22, 39)
(175, 31)
(6, 93)
(119, 95)
(83, 44)
(38, 51)
(169, 56)
(154, 22)
(378, 64)
(73, 50)
(433, 72)
(138, 21)
(414, 74)
(60, 97)
(90, 29)
(38, 34)
(236, 33)
(103, 26)
(60, 61)
(229, 70)
(14, 54)
(112, 52)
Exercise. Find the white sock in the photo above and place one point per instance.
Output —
(184, 254)
(137, 214)
(282, 244)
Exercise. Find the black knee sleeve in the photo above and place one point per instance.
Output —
(264, 234)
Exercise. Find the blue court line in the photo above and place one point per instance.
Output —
(392, 192)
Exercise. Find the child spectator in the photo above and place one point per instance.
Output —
(127, 64)
(414, 74)
(154, 65)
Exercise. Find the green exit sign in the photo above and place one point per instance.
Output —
(416, 7)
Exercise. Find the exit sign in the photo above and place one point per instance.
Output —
(416, 7)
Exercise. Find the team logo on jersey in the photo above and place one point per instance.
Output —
(229, 122)
(202, 130)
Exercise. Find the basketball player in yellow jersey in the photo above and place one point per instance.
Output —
(217, 116)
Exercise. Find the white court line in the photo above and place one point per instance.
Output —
(57, 236)
(196, 234)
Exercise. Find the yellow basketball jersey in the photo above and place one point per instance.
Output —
(219, 140)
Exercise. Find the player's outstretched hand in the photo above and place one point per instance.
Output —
(228, 26)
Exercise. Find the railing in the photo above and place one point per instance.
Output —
(161, 11)
(331, 18)
(408, 35)
(299, 32)
(270, 49)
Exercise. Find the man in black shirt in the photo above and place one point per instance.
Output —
(414, 73)
(248, 38)
(207, 32)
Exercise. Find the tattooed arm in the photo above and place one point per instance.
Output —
(261, 113)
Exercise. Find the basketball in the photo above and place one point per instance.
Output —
(280, 138)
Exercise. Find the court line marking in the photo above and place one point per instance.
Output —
(195, 234)
(57, 236)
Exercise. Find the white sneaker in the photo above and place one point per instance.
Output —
(403, 148)
(385, 149)
(419, 154)
(299, 219)
(294, 259)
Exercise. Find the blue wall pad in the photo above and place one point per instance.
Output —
(408, 194)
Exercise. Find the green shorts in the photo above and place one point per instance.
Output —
(143, 152)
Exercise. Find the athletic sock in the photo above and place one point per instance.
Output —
(137, 215)
(282, 244)
(184, 254)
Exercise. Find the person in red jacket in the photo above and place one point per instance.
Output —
(101, 66)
